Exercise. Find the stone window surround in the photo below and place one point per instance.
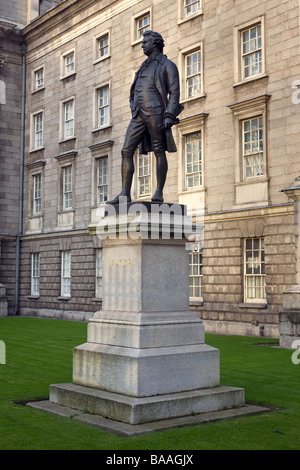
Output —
(253, 228)
(62, 119)
(34, 248)
(35, 168)
(135, 180)
(98, 37)
(34, 88)
(64, 246)
(63, 73)
(237, 51)
(134, 19)
(182, 70)
(187, 126)
(243, 110)
(96, 128)
(65, 216)
(256, 300)
(100, 150)
(32, 130)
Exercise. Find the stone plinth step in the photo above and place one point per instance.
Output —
(133, 410)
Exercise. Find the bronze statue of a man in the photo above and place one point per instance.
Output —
(154, 103)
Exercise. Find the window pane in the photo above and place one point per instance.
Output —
(253, 147)
(35, 273)
(102, 178)
(254, 270)
(69, 119)
(37, 199)
(143, 24)
(251, 51)
(193, 168)
(103, 46)
(195, 276)
(193, 74)
(69, 63)
(144, 175)
(67, 187)
(103, 106)
(38, 130)
(66, 273)
(192, 6)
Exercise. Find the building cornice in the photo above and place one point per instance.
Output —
(42, 38)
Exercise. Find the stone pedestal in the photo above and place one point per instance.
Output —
(145, 358)
(289, 318)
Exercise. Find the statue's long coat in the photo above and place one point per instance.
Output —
(166, 79)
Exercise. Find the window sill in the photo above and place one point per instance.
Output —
(253, 305)
(63, 298)
(255, 179)
(68, 76)
(196, 303)
(100, 59)
(62, 141)
(38, 149)
(191, 17)
(108, 126)
(136, 41)
(193, 98)
(252, 79)
(201, 189)
(37, 90)
(31, 297)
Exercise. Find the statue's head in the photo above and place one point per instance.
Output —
(157, 39)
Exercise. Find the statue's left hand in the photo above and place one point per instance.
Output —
(168, 123)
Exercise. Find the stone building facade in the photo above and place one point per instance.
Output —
(237, 148)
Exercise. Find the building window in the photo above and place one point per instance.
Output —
(38, 79)
(193, 74)
(253, 147)
(68, 63)
(254, 265)
(191, 7)
(68, 119)
(37, 194)
(195, 275)
(67, 187)
(193, 160)
(99, 279)
(35, 274)
(142, 25)
(38, 130)
(103, 115)
(144, 174)
(66, 273)
(103, 46)
(251, 51)
(102, 180)
(249, 58)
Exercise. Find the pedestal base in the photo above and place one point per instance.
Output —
(144, 367)
(132, 410)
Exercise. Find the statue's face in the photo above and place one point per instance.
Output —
(147, 45)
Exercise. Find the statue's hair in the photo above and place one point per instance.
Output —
(157, 38)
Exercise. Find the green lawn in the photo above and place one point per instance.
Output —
(39, 352)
